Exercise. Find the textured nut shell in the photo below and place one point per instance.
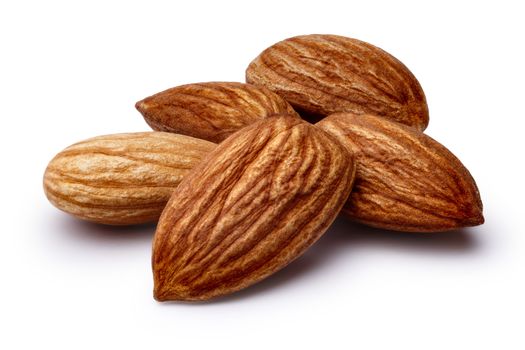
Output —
(256, 203)
(405, 180)
(210, 111)
(121, 179)
(324, 74)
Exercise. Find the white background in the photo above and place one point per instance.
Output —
(70, 70)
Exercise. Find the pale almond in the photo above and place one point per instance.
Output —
(121, 179)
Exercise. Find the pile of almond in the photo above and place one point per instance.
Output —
(243, 178)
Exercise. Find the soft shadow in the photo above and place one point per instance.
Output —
(346, 232)
(98, 233)
(343, 237)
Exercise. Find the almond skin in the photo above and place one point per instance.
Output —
(405, 180)
(121, 179)
(257, 202)
(210, 111)
(323, 74)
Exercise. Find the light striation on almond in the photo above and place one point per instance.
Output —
(405, 180)
(256, 203)
(323, 74)
(121, 179)
(210, 111)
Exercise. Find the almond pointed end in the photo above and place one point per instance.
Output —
(142, 106)
(475, 219)
(159, 293)
(162, 291)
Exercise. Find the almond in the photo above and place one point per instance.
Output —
(210, 111)
(405, 180)
(121, 179)
(257, 202)
(324, 74)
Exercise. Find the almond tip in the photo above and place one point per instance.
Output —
(475, 219)
(140, 105)
(159, 294)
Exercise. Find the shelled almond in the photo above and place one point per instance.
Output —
(324, 74)
(240, 182)
(210, 111)
(121, 179)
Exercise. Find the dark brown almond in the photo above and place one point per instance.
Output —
(323, 74)
(405, 180)
(210, 111)
(256, 203)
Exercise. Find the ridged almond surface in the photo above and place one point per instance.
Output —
(323, 74)
(121, 179)
(210, 111)
(256, 203)
(405, 180)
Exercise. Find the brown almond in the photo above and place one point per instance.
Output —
(210, 111)
(405, 180)
(323, 74)
(260, 199)
(121, 179)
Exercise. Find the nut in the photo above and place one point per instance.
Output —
(257, 202)
(324, 74)
(121, 179)
(405, 180)
(210, 111)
